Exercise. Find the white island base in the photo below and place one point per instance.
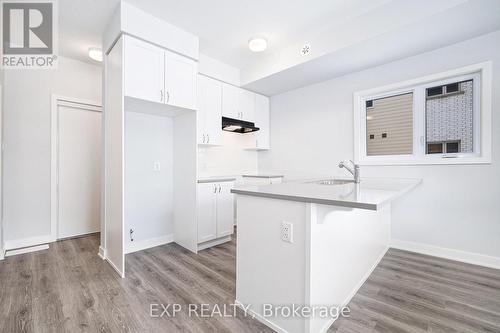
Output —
(333, 252)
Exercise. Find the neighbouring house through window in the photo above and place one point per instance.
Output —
(390, 122)
(425, 120)
(450, 117)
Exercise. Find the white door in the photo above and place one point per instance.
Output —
(78, 170)
(230, 101)
(144, 70)
(207, 227)
(201, 113)
(180, 81)
(247, 105)
(262, 140)
(209, 111)
(225, 209)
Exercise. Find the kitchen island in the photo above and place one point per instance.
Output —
(311, 244)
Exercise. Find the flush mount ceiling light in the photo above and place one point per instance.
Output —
(257, 44)
(95, 54)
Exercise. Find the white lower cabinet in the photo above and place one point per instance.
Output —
(215, 211)
(207, 218)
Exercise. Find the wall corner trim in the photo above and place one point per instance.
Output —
(447, 253)
(102, 253)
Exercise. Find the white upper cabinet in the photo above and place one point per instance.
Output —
(238, 103)
(180, 81)
(247, 105)
(154, 74)
(209, 111)
(261, 138)
(144, 70)
(230, 101)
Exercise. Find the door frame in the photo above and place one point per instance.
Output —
(2, 250)
(56, 101)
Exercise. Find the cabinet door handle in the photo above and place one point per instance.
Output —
(215, 188)
(208, 138)
(219, 188)
(168, 97)
(203, 138)
(161, 95)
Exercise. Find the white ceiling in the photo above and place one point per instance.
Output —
(397, 30)
(224, 26)
(81, 25)
(336, 30)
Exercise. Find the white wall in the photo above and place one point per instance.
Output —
(217, 69)
(27, 109)
(456, 207)
(148, 192)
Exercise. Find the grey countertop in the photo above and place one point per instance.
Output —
(216, 179)
(370, 194)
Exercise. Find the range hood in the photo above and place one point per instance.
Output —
(238, 126)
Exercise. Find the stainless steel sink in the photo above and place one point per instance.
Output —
(335, 182)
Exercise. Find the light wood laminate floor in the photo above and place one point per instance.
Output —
(68, 288)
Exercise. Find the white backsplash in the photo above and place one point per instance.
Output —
(230, 158)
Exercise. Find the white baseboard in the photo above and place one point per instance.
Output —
(27, 242)
(102, 253)
(122, 274)
(135, 246)
(2, 254)
(214, 242)
(260, 318)
(447, 253)
(27, 250)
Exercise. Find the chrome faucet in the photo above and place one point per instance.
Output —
(354, 169)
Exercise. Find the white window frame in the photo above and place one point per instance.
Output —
(480, 73)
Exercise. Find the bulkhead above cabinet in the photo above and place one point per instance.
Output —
(133, 21)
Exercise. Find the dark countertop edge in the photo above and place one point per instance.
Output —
(328, 202)
(263, 176)
(216, 180)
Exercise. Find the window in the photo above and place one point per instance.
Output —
(443, 147)
(440, 119)
(435, 148)
(452, 147)
(435, 91)
(454, 87)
